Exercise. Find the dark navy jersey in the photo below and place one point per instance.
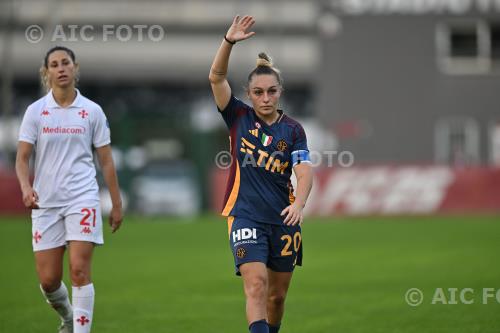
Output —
(259, 185)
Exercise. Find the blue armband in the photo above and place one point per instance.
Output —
(300, 156)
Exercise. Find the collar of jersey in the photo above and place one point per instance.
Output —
(77, 102)
(277, 121)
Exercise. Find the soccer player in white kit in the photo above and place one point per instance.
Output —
(63, 127)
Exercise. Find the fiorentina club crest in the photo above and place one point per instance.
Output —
(83, 320)
(37, 236)
(266, 140)
(83, 114)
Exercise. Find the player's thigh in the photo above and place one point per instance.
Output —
(279, 282)
(249, 242)
(83, 222)
(49, 267)
(285, 248)
(80, 255)
(255, 278)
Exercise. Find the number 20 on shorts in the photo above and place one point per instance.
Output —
(297, 239)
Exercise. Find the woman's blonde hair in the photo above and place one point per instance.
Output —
(265, 66)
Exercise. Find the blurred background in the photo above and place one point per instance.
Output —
(399, 99)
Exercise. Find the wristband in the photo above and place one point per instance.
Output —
(229, 41)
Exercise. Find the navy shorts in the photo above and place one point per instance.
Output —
(277, 246)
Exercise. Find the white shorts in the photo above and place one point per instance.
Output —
(54, 227)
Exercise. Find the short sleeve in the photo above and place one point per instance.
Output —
(234, 109)
(299, 138)
(29, 127)
(300, 151)
(101, 133)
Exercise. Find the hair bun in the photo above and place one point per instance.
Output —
(264, 60)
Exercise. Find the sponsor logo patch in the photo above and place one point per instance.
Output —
(244, 233)
(71, 130)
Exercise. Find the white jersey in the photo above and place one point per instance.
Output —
(63, 139)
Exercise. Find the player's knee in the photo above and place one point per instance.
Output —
(277, 300)
(50, 283)
(257, 287)
(79, 275)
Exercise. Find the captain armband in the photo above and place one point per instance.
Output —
(300, 156)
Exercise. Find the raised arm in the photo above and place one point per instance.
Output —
(238, 31)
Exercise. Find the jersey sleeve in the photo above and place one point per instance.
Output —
(300, 151)
(101, 134)
(234, 109)
(29, 127)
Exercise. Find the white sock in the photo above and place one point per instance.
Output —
(59, 300)
(83, 308)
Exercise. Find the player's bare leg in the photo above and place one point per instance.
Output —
(279, 282)
(255, 283)
(49, 267)
(80, 260)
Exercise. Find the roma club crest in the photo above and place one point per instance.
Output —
(241, 253)
(282, 145)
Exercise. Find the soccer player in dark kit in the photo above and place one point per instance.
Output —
(264, 214)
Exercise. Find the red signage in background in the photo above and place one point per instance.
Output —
(389, 190)
(11, 201)
(362, 191)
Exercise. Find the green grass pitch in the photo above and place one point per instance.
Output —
(171, 275)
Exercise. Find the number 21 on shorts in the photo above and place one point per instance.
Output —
(88, 217)
(297, 239)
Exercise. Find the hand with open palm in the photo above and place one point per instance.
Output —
(239, 28)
